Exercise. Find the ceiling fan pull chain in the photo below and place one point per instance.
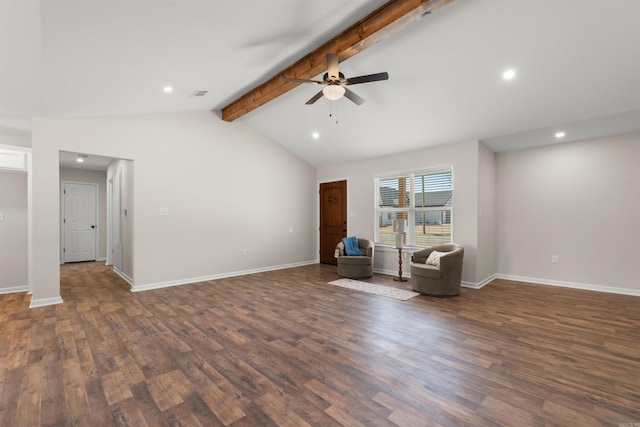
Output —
(331, 114)
(331, 109)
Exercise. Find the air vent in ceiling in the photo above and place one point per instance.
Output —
(199, 93)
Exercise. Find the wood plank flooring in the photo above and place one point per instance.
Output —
(285, 348)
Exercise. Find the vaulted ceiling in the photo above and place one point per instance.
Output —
(577, 64)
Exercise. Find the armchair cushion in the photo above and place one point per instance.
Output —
(434, 258)
(425, 270)
(354, 260)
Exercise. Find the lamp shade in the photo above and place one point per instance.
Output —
(399, 240)
(333, 92)
(399, 225)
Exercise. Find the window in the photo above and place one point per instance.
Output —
(423, 198)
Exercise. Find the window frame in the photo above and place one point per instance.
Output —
(410, 210)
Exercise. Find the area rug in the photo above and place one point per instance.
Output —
(372, 288)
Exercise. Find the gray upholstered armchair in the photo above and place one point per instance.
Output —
(443, 280)
(355, 267)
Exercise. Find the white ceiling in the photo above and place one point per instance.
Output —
(89, 161)
(577, 64)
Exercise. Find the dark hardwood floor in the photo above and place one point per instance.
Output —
(285, 348)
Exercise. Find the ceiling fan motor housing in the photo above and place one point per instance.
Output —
(333, 80)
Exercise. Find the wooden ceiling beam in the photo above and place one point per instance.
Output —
(377, 26)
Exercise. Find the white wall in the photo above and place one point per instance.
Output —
(127, 209)
(15, 138)
(93, 177)
(361, 197)
(227, 188)
(13, 232)
(579, 201)
(487, 249)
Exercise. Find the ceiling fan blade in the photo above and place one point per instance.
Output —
(368, 78)
(287, 79)
(314, 98)
(351, 96)
(332, 66)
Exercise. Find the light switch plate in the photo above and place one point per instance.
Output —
(1, 216)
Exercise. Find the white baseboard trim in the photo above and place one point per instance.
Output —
(139, 288)
(574, 285)
(470, 285)
(126, 278)
(480, 284)
(463, 283)
(534, 280)
(14, 289)
(102, 258)
(42, 302)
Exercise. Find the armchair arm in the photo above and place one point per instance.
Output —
(366, 246)
(451, 264)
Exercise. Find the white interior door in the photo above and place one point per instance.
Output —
(80, 222)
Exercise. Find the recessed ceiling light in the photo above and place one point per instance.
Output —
(167, 89)
(560, 134)
(509, 74)
(79, 160)
(315, 135)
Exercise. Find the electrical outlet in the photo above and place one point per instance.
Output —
(554, 259)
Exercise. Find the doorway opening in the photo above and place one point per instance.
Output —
(111, 221)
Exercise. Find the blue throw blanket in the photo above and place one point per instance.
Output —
(351, 247)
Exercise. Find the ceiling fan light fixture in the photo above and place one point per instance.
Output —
(333, 92)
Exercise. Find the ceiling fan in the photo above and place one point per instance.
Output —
(335, 82)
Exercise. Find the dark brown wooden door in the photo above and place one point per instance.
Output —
(333, 218)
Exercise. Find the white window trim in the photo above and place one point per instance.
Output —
(412, 209)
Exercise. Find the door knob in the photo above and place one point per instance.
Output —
(93, 226)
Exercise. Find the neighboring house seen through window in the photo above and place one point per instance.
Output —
(423, 198)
